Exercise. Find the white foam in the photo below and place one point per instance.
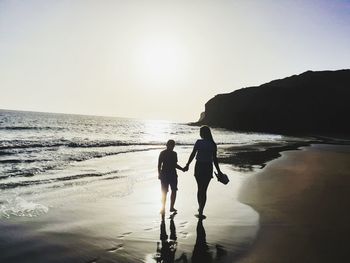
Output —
(22, 208)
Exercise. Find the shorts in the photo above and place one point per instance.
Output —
(203, 171)
(166, 181)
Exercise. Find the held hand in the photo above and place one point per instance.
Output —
(186, 168)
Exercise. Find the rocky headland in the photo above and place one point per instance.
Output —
(312, 103)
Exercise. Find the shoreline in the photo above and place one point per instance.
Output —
(302, 200)
(246, 220)
(92, 224)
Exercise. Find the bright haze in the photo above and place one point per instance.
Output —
(159, 59)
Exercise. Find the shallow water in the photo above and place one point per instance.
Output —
(117, 220)
(85, 189)
(42, 152)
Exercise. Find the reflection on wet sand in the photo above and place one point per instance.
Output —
(202, 252)
(166, 252)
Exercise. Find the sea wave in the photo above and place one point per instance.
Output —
(39, 166)
(18, 144)
(95, 144)
(23, 144)
(18, 128)
(15, 144)
(20, 207)
(94, 155)
(18, 161)
(69, 178)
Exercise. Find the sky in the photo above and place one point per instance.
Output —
(159, 59)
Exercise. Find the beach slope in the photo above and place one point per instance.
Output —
(303, 199)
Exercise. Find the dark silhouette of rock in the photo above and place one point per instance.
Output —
(309, 103)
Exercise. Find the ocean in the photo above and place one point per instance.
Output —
(80, 188)
(45, 152)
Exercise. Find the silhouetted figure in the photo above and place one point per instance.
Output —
(205, 151)
(201, 253)
(167, 165)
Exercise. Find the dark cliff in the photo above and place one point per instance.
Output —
(312, 102)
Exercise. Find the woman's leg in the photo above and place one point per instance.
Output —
(202, 184)
(203, 174)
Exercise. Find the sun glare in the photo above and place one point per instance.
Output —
(156, 131)
(161, 60)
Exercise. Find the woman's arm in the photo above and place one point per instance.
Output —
(180, 168)
(193, 154)
(215, 161)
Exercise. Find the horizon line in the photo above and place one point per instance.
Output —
(92, 115)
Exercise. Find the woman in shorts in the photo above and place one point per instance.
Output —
(205, 152)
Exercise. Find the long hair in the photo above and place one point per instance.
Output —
(205, 133)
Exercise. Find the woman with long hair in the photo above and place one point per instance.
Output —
(205, 151)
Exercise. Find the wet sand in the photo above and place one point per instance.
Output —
(293, 210)
(303, 201)
(92, 223)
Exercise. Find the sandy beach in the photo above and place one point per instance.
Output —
(90, 223)
(302, 199)
(292, 210)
